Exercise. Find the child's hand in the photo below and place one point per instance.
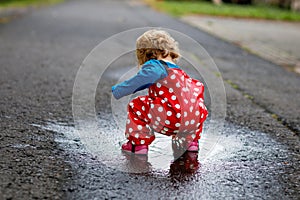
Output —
(113, 88)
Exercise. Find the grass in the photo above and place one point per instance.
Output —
(233, 85)
(180, 8)
(26, 3)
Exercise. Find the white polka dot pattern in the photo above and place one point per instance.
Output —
(174, 105)
(169, 113)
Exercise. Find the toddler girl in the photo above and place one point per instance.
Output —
(174, 105)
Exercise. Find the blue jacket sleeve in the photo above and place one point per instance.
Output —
(147, 75)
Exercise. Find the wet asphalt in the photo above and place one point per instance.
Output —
(40, 54)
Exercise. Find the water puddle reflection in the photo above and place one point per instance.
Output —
(236, 145)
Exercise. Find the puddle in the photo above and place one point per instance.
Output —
(235, 145)
(22, 146)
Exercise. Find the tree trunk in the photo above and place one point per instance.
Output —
(295, 5)
(217, 2)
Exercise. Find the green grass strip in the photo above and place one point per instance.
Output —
(180, 8)
(26, 3)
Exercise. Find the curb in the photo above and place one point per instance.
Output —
(259, 48)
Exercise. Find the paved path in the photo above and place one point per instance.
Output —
(276, 41)
(40, 54)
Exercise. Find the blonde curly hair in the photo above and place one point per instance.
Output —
(155, 43)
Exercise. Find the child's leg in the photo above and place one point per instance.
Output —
(137, 129)
(198, 132)
(187, 141)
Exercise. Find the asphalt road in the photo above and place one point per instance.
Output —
(40, 54)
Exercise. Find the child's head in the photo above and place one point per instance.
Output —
(156, 43)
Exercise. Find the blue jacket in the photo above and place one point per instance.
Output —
(150, 73)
